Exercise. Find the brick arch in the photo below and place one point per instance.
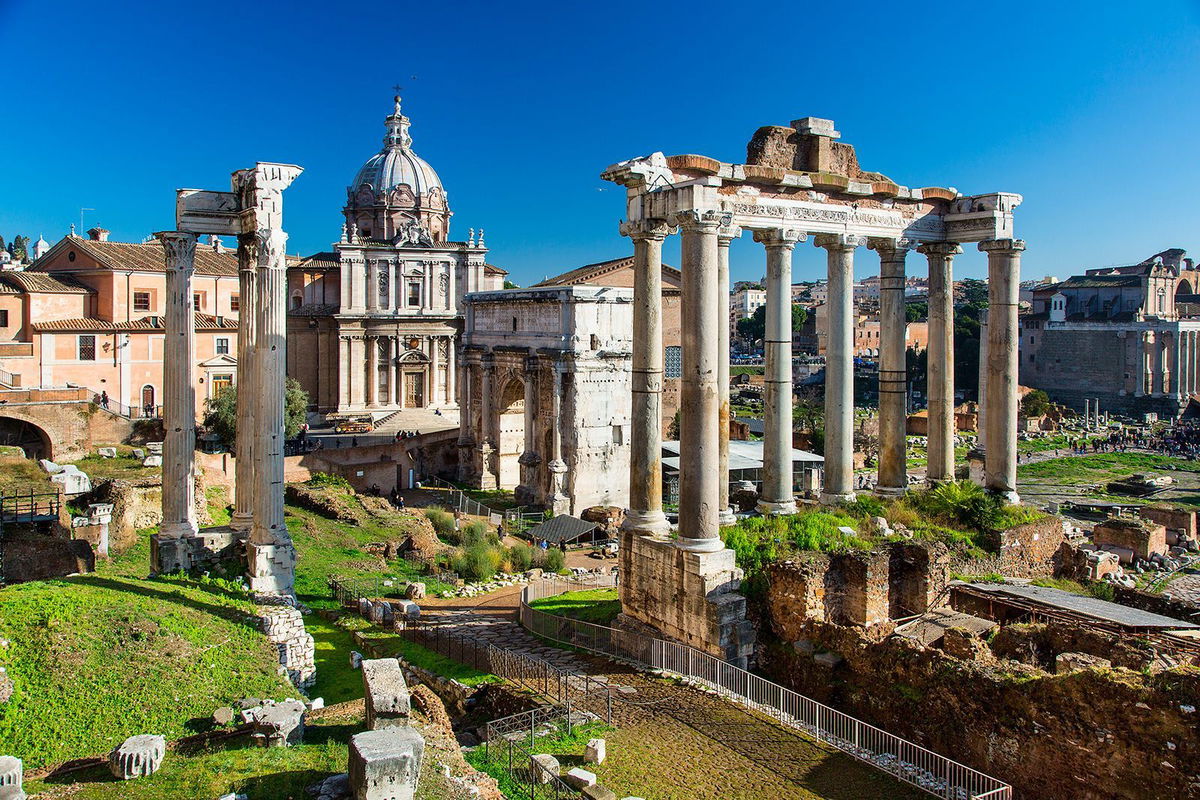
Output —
(19, 430)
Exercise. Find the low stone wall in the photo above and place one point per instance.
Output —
(1026, 551)
(1100, 734)
(283, 626)
(205, 549)
(1157, 604)
(688, 597)
(35, 557)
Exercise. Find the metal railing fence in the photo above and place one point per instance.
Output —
(511, 743)
(909, 762)
(459, 501)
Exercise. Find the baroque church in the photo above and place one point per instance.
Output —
(373, 325)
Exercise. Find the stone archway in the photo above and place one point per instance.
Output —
(31, 438)
(510, 438)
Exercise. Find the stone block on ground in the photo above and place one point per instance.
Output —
(11, 778)
(415, 591)
(594, 752)
(222, 716)
(279, 724)
(49, 466)
(107, 452)
(137, 756)
(138, 453)
(386, 693)
(381, 613)
(154, 448)
(407, 609)
(597, 792)
(385, 764)
(335, 787)
(356, 659)
(544, 767)
(152, 460)
(579, 778)
(1072, 662)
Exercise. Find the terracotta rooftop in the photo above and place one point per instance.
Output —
(492, 269)
(204, 322)
(147, 257)
(27, 281)
(316, 261)
(589, 273)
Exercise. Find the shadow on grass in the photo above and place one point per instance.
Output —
(152, 590)
(281, 784)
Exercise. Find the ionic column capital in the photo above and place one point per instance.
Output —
(1002, 245)
(179, 248)
(940, 249)
(839, 241)
(780, 237)
(650, 229)
(699, 220)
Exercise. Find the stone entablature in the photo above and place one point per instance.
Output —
(545, 395)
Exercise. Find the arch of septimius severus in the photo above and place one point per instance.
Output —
(798, 182)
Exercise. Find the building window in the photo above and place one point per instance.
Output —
(197, 301)
(220, 383)
(222, 346)
(233, 302)
(673, 362)
(141, 301)
(87, 347)
(3, 317)
(414, 294)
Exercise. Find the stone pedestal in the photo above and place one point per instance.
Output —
(386, 694)
(11, 778)
(687, 596)
(385, 764)
(207, 547)
(137, 757)
(279, 724)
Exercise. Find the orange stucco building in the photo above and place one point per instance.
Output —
(89, 313)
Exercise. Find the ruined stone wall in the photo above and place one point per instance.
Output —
(34, 557)
(1089, 735)
(1143, 538)
(1171, 518)
(1026, 551)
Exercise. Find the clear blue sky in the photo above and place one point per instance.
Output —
(1089, 110)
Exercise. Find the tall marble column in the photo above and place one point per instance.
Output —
(343, 372)
(839, 367)
(645, 515)
(893, 370)
(725, 236)
(940, 357)
(487, 478)
(699, 468)
(528, 492)
(271, 556)
(179, 389)
(777, 496)
(372, 368)
(1004, 276)
(981, 394)
(558, 501)
(244, 471)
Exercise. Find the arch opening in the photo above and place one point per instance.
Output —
(31, 438)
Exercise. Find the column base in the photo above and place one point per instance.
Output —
(241, 522)
(646, 523)
(1009, 495)
(890, 491)
(833, 498)
(270, 569)
(177, 530)
(559, 503)
(183, 554)
(699, 545)
(726, 517)
(767, 507)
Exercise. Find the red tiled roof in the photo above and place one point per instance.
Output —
(316, 261)
(27, 281)
(148, 257)
(589, 272)
(492, 269)
(204, 322)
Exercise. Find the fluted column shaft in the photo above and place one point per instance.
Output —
(981, 418)
(724, 237)
(699, 468)
(559, 501)
(776, 496)
(645, 515)
(179, 390)
(269, 536)
(244, 475)
(839, 368)
(487, 478)
(940, 358)
(1004, 276)
(893, 372)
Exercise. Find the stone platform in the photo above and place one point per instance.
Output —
(206, 548)
(685, 596)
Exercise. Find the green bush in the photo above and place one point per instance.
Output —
(965, 503)
(554, 559)
(443, 524)
(473, 533)
(865, 506)
(477, 562)
(323, 479)
(521, 557)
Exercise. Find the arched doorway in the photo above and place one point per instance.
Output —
(511, 433)
(27, 436)
(148, 404)
(413, 367)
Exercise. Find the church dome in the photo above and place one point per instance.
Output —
(396, 164)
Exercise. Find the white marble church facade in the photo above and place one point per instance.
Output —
(374, 324)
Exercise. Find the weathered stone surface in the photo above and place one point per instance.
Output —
(597, 792)
(579, 777)
(11, 777)
(386, 693)
(107, 452)
(279, 724)
(335, 787)
(385, 764)
(284, 627)
(356, 659)
(137, 756)
(407, 609)
(152, 461)
(1073, 662)
(544, 767)
(415, 591)
(594, 752)
(222, 716)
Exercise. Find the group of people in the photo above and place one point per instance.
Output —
(406, 435)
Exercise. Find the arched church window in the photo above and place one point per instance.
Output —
(1162, 301)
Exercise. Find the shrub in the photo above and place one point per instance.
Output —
(442, 522)
(865, 506)
(521, 557)
(323, 479)
(473, 533)
(477, 562)
(965, 503)
(555, 560)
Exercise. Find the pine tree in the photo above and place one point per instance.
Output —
(20, 246)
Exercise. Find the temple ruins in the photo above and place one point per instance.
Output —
(797, 181)
(252, 211)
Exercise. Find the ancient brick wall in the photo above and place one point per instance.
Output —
(1171, 518)
(1143, 538)
(35, 558)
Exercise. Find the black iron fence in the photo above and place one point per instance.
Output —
(511, 743)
